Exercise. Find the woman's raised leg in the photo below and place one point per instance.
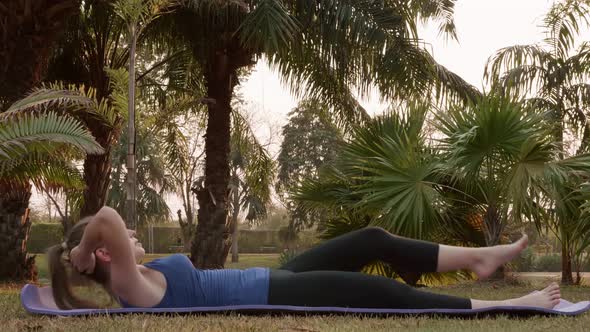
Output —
(352, 251)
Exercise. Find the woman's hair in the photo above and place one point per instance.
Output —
(63, 273)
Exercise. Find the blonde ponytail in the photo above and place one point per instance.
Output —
(62, 273)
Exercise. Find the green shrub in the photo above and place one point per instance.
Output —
(548, 263)
(287, 255)
(168, 238)
(165, 239)
(525, 262)
(43, 236)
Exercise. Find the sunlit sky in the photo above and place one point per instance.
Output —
(483, 27)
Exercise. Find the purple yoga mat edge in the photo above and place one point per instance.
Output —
(30, 300)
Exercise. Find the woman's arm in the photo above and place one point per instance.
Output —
(107, 230)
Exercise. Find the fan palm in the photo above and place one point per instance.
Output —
(36, 145)
(493, 157)
(322, 49)
(554, 78)
(386, 176)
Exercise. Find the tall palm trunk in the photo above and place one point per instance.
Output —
(15, 225)
(566, 257)
(566, 265)
(211, 240)
(131, 166)
(28, 30)
(97, 173)
(493, 230)
(234, 218)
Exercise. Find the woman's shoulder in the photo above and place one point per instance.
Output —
(172, 259)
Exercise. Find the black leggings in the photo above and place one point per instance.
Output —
(328, 275)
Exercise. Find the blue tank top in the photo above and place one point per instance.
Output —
(188, 286)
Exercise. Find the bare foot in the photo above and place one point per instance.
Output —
(546, 298)
(490, 258)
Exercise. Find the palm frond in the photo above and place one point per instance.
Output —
(47, 172)
(522, 80)
(268, 27)
(139, 11)
(309, 77)
(46, 129)
(563, 23)
(515, 56)
(258, 166)
(42, 99)
(451, 87)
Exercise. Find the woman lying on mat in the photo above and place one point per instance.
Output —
(327, 275)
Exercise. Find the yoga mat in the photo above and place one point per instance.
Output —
(39, 300)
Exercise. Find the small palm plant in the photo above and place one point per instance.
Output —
(493, 159)
(386, 176)
(553, 76)
(39, 137)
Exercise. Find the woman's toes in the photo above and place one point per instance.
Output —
(551, 287)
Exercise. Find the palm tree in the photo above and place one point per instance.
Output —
(136, 14)
(251, 176)
(28, 30)
(554, 79)
(320, 48)
(91, 50)
(387, 176)
(152, 181)
(92, 44)
(493, 156)
(36, 145)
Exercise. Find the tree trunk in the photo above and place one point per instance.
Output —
(566, 266)
(187, 230)
(97, 168)
(131, 219)
(211, 239)
(97, 173)
(15, 225)
(27, 32)
(493, 228)
(234, 221)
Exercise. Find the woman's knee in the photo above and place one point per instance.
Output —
(375, 232)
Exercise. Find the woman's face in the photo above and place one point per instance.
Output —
(136, 246)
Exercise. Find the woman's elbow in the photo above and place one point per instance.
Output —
(108, 215)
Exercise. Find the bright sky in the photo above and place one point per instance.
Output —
(483, 27)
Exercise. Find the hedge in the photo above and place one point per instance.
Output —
(168, 238)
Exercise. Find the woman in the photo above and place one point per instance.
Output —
(327, 275)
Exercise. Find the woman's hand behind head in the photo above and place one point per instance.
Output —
(82, 261)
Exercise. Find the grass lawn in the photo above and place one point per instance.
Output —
(14, 318)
